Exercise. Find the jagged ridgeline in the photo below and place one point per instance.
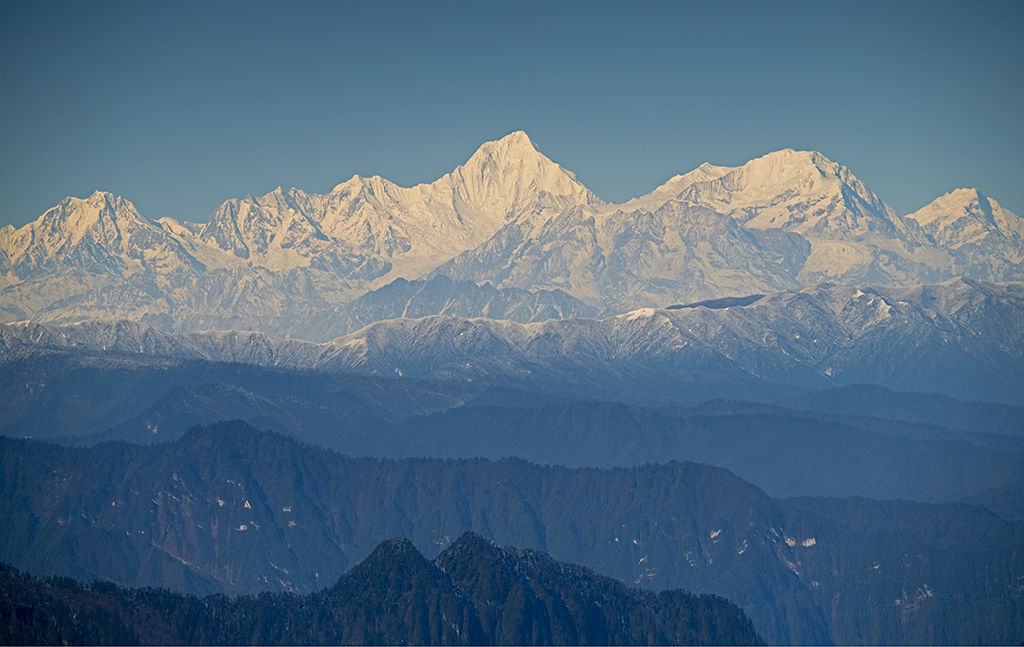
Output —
(229, 509)
(474, 593)
(518, 236)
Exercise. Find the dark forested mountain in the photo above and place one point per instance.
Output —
(231, 509)
(474, 593)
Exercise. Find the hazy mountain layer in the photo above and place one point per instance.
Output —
(289, 262)
(855, 441)
(232, 509)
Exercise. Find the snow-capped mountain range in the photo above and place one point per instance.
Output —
(305, 265)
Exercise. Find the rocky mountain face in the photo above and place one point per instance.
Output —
(509, 220)
(231, 509)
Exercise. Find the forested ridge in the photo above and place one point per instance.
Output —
(475, 592)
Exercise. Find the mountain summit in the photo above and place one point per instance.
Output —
(984, 238)
(801, 191)
(851, 231)
(506, 177)
(103, 232)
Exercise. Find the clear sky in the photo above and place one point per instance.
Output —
(179, 106)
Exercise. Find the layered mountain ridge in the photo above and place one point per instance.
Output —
(231, 509)
(293, 263)
(961, 338)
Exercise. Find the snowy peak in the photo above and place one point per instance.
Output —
(509, 216)
(280, 230)
(787, 164)
(849, 229)
(967, 216)
(516, 144)
(798, 191)
(75, 218)
(238, 225)
(783, 170)
(365, 186)
(958, 203)
(785, 173)
(512, 163)
(101, 231)
(508, 175)
(807, 193)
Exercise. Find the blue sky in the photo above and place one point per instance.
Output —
(181, 105)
